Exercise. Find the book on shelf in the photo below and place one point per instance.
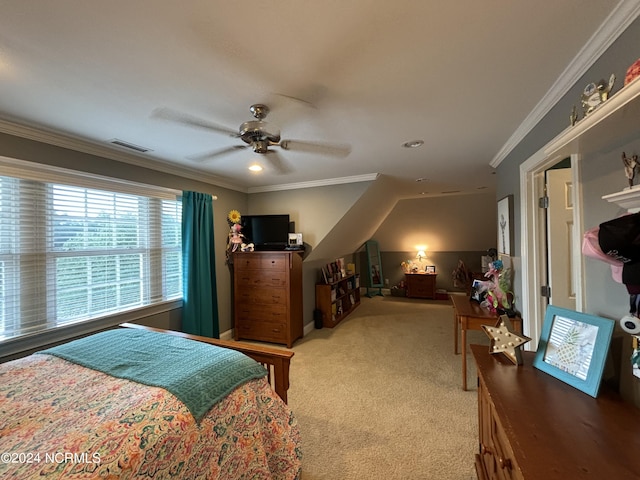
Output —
(325, 275)
(334, 271)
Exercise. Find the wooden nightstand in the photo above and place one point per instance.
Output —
(421, 285)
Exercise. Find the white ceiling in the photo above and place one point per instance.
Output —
(462, 76)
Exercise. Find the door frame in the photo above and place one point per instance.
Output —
(533, 240)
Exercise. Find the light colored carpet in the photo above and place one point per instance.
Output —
(380, 396)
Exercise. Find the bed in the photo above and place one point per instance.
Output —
(123, 404)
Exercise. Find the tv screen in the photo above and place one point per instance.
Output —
(266, 232)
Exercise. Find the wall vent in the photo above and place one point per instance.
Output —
(130, 146)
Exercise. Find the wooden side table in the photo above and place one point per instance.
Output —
(421, 285)
(469, 315)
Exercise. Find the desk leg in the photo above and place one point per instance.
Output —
(463, 346)
(455, 331)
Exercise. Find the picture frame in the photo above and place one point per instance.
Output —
(505, 225)
(477, 293)
(430, 269)
(573, 348)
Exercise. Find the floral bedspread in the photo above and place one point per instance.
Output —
(61, 420)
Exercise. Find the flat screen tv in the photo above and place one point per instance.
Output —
(266, 232)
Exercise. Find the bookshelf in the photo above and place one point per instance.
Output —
(337, 299)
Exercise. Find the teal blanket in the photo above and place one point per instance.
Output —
(199, 374)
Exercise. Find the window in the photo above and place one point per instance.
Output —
(71, 253)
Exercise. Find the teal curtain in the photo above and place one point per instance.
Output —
(200, 307)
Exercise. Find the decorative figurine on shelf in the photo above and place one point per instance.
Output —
(633, 72)
(496, 296)
(630, 164)
(573, 118)
(595, 94)
(235, 238)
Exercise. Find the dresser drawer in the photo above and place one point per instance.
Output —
(269, 313)
(275, 331)
(263, 296)
(252, 279)
(265, 263)
(505, 465)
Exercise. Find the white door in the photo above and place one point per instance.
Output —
(561, 238)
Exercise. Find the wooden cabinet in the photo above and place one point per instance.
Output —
(336, 300)
(267, 296)
(533, 426)
(421, 285)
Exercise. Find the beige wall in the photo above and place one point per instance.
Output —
(315, 210)
(440, 224)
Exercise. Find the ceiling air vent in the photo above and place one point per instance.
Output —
(128, 145)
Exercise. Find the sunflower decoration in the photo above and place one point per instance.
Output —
(233, 217)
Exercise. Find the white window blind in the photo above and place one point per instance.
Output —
(70, 253)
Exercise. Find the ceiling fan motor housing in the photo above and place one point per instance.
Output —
(256, 130)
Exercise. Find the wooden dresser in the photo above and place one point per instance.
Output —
(421, 285)
(533, 426)
(268, 296)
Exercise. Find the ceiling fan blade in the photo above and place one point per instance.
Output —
(333, 149)
(179, 117)
(277, 162)
(215, 153)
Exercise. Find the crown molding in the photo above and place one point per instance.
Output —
(315, 183)
(50, 137)
(78, 144)
(617, 22)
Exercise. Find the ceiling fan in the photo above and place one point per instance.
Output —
(257, 134)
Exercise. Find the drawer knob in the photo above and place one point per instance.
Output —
(504, 463)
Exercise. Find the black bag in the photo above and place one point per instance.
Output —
(620, 238)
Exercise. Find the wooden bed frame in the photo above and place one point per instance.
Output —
(276, 361)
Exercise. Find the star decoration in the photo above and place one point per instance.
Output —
(505, 340)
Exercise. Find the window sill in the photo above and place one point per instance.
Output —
(25, 345)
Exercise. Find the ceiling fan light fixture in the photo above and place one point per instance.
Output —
(255, 168)
(413, 144)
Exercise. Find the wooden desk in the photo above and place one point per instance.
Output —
(470, 315)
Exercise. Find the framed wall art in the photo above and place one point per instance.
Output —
(573, 347)
(505, 225)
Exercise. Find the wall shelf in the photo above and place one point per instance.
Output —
(628, 199)
(617, 118)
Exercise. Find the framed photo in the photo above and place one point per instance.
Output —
(505, 225)
(430, 269)
(478, 293)
(573, 347)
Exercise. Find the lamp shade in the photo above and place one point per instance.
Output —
(421, 255)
